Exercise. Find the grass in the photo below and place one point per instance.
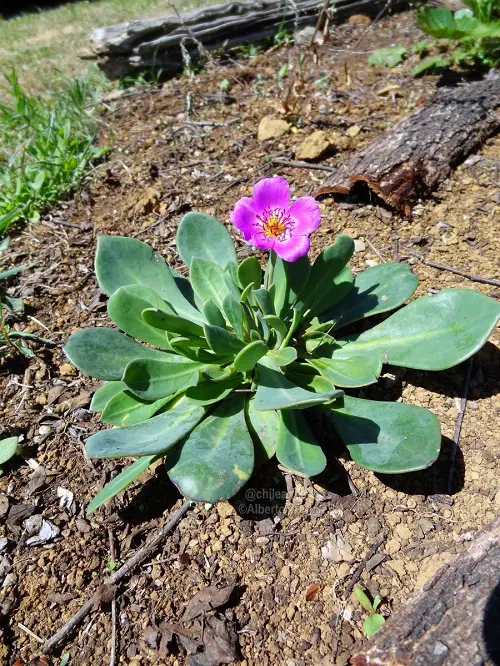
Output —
(46, 144)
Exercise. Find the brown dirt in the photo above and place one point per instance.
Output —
(162, 166)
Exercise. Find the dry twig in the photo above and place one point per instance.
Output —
(296, 164)
(458, 425)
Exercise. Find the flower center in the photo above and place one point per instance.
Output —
(275, 223)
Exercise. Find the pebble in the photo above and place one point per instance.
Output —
(272, 128)
(392, 546)
(359, 245)
(313, 146)
(353, 131)
(403, 531)
(66, 370)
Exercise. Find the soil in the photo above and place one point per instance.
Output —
(289, 545)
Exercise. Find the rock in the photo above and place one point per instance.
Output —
(272, 128)
(359, 19)
(67, 370)
(224, 509)
(392, 546)
(353, 131)
(403, 531)
(313, 146)
(359, 245)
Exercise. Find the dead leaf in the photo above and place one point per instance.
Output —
(312, 592)
(220, 641)
(37, 480)
(19, 512)
(207, 599)
(337, 550)
(39, 530)
(104, 595)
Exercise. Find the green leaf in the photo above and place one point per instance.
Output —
(431, 333)
(234, 314)
(376, 601)
(263, 426)
(170, 322)
(213, 315)
(349, 372)
(264, 301)
(248, 357)
(153, 379)
(387, 437)
(203, 236)
(250, 272)
(206, 393)
(296, 448)
(373, 623)
(121, 481)
(389, 56)
(438, 22)
(154, 436)
(289, 280)
(104, 352)
(363, 599)
(324, 287)
(308, 377)
(121, 261)
(279, 326)
(431, 63)
(275, 391)
(104, 394)
(222, 342)
(216, 460)
(8, 448)
(13, 271)
(284, 356)
(125, 307)
(125, 409)
(375, 290)
(208, 281)
(194, 349)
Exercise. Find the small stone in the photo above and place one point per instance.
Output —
(403, 531)
(359, 245)
(44, 430)
(392, 546)
(313, 146)
(398, 567)
(66, 370)
(353, 131)
(272, 128)
(224, 509)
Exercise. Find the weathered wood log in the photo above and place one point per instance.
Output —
(127, 47)
(418, 153)
(454, 620)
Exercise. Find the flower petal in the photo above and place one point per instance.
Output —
(293, 248)
(306, 215)
(243, 217)
(262, 242)
(271, 193)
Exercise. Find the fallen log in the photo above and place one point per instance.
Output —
(418, 153)
(160, 42)
(453, 620)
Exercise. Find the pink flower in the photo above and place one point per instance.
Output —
(270, 222)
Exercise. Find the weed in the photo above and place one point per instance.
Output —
(374, 620)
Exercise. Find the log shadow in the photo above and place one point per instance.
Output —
(491, 626)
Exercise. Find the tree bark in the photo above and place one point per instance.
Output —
(454, 620)
(158, 42)
(418, 153)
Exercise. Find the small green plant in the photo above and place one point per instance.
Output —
(235, 359)
(374, 620)
(283, 37)
(472, 37)
(8, 449)
(12, 305)
(46, 144)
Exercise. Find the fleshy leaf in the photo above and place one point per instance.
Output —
(297, 448)
(284, 356)
(208, 281)
(167, 321)
(248, 357)
(203, 236)
(375, 290)
(373, 623)
(222, 342)
(233, 311)
(122, 261)
(206, 393)
(156, 435)
(104, 394)
(125, 307)
(121, 481)
(275, 391)
(328, 281)
(8, 448)
(349, 372)
(308, 377)
(213, 315)
(125, 409)
(277, 325)
(250, 272)
(263, 426)
(431, 333)
(104, 352)
(289, 279)
(152, 380)
(264, 300)
(216, 460)
(387, 437)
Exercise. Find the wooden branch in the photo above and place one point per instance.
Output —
(453, 620)
(418, 153)
(127, 47)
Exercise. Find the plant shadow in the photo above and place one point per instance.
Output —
(491, 623)
(154, 498)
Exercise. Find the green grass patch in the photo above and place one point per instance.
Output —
(46, 144)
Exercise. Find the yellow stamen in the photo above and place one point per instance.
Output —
(273, 227)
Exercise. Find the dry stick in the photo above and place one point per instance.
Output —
(458, 425)
(374, 249)
(323, 14)
(123, 571)
(456, 271)
(303, 165)
(359, 569)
